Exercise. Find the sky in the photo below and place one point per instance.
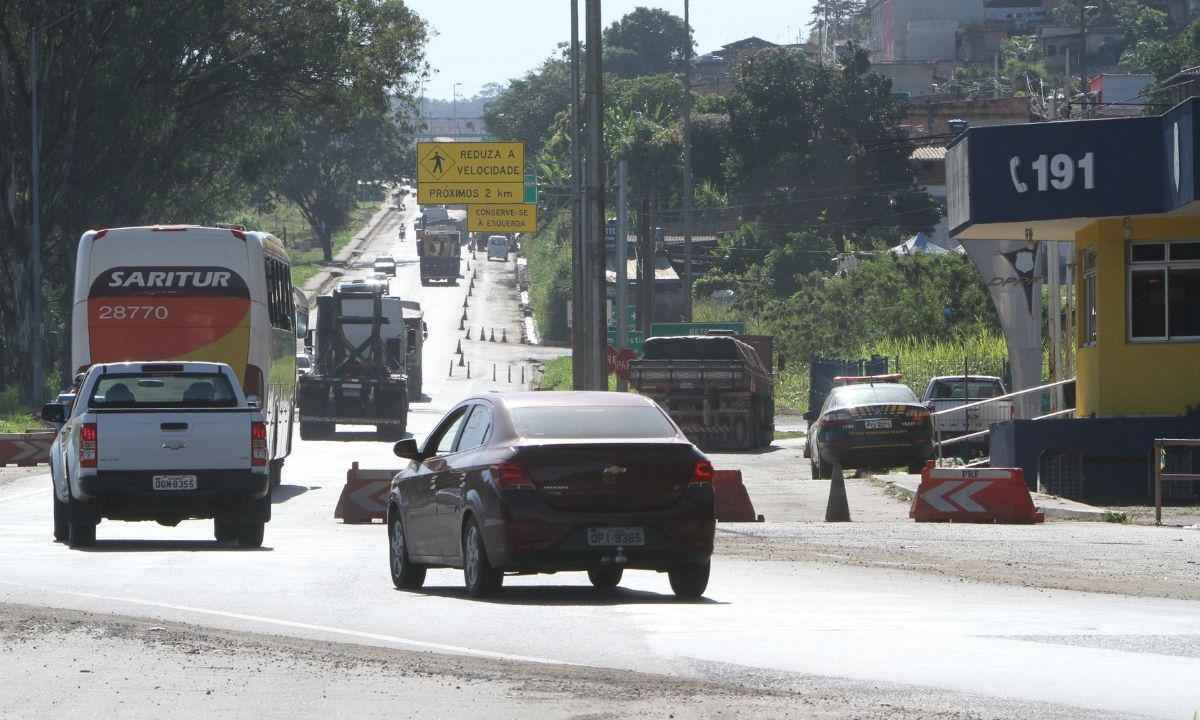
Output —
(497, 40)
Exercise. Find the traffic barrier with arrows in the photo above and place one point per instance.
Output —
(996, 495)
(25, 449)
(364, 498)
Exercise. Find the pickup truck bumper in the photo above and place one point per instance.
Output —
(130, 495)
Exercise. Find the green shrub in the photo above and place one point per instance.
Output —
(548, 252)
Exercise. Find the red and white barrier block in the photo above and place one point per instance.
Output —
(364, 498)
(996, 495)
(25, 449)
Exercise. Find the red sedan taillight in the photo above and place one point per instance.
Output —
(258, 443)
(703, 473)
(511, 476)
(89, 445)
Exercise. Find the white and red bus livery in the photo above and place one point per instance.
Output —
(186, 292)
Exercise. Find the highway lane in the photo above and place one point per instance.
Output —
(319, 579)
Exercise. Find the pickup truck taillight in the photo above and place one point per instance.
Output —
(89, 445)
(258, 443)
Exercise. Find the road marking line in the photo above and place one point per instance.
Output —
(441, 647)
(18, 496)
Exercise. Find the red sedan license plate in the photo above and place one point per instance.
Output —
(616, 536)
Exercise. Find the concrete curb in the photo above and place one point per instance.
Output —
(317, 283)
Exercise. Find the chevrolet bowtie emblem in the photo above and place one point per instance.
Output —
(613, 470)
(174, 445)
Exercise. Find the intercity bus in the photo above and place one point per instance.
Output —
(186, 292)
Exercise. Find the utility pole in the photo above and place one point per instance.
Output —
(622, 263)
(595, 325)
(1083, 81)
(687, 165)
(579, 352)
(35, 250)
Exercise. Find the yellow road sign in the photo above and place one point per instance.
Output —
(470, 162)
(459, 193)
(502, 218)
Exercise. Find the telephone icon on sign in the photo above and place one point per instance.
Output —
(1013, 164)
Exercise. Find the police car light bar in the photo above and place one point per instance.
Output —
(852, 379)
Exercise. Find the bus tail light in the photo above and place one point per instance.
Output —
(258, 443)
(254, 383)
(89, 445)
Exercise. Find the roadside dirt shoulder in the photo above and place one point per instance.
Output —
(66, 663)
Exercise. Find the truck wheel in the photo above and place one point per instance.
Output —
(389, 432)
(250, 533)
(62, 525)
(81, 526)
(316, 430)
(689, 581)
(276, 471)
(606, 578)
(225, 529)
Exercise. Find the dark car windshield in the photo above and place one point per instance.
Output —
(852, 395)
(163, 390)
(591, 422)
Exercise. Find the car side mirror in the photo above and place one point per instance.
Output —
(54, 413)
(407, 449)
(810, 417)
(931, 406)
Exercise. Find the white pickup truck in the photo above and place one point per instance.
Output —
(160, 441)
(949, 392)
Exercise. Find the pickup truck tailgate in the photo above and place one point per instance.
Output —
(203, 440)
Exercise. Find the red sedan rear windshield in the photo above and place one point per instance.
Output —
(591, 422)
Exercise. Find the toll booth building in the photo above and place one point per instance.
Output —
(1121, 199)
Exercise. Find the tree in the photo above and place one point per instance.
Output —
(837, 19)
(820, 146)
(645, 42)
(150, 112)
(527, 108)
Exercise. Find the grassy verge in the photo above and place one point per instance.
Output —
(557, 375)
(19, 422)
(288, 223)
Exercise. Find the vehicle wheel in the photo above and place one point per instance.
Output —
(389, 432)
(316, 431)
(606, 578)
(826, 469)
(62, 525)
(405, 575)
(81, 526)
(275, 468)
(815, 469)
(479, 576)
(250, 533)
(225, 530)
(689, 581)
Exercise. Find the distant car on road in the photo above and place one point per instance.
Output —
(872, 421)
(497, 248)
(160, 441)
(385, 264)
(553, 481)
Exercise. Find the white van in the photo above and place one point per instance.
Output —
(497, 248)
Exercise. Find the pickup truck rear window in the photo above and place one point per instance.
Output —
(973, 390)
(591, 423)
(163, 390)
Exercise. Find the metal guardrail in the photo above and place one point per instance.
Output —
(992, 411)
(1160, 461)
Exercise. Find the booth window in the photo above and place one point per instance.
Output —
(1164, 291)
(1089, 297)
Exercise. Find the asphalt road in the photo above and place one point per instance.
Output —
(316, 579)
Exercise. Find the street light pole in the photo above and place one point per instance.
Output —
(687, 165)
(579, 350)
(594, 280)
(35, 251)
(454, 105)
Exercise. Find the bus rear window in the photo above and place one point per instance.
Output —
(163, 390)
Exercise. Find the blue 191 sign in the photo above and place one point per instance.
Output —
(1057, 172)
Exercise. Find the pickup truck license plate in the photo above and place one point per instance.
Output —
(174, 482)
(610, 536)
(877, 424)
